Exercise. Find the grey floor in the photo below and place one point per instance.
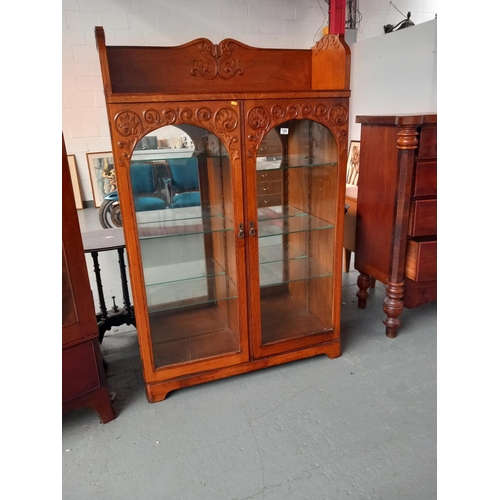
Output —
(360, 427)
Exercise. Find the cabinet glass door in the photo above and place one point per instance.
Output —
(181, 182)
(296, 173)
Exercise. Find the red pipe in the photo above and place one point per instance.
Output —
(337, 17)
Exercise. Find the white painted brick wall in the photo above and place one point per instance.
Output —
(261, 23)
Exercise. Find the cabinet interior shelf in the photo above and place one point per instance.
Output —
(189, 293)
(284, 162)
(290, 224)
(272, 221)
(290, 271)
(180, 222)
(188, 271)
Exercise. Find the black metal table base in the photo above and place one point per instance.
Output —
(116, 316)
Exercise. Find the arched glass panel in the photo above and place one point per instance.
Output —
(181, 181)
(296, 204)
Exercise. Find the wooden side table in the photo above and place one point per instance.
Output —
(104, 240)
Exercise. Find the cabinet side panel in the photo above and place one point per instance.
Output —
(69, 312)
(81, 322)
(376, 199)
(80, 373)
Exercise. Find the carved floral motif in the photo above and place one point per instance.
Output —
(260, 120)
(216, 60)
(132, 126)
(327, 42)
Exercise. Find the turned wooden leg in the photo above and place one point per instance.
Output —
(363, 285)
(393, 307)
(347, 260)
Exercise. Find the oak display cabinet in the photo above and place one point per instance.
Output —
(249, 277)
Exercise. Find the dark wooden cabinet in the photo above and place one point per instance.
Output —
(396, 228)
(83, 377)
(250, 276)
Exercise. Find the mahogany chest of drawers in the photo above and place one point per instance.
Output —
(396, 225)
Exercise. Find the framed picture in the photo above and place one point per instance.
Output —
(352, 171)
(102, 175)
(74, 181)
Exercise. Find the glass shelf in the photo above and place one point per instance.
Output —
(184, 271)
(301, 269)
(279, 212)
(181, 221)
(161, 154)
(193, 292)
(292, 161)
(274, 253)
(176, 214)
(292, 224)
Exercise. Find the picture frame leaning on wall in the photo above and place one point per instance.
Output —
(353, 163)
(102, 175)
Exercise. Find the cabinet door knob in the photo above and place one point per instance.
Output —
(253, 232)
(241, 232)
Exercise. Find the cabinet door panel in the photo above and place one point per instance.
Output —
(188, 251)
(295, 241)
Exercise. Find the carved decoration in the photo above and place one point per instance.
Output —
(259, 119)
(407, 138)
(216, 60)
(132, 126)
(327, 42)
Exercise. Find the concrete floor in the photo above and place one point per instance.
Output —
(362, 426)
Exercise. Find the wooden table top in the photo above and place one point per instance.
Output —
(103, 239)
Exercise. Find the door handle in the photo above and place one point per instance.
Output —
(253, 232)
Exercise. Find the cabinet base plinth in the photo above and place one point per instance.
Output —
(97, 400)
(158, 391)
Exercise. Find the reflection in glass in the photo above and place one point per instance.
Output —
(296, 176)
(181, 181)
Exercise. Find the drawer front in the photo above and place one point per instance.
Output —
(425, 183)
(423, 218)
(269, 200)
(271, 174)
(271, 145)
(428, 142)
(421, 260)
(268, 187)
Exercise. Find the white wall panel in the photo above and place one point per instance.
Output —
(394, 73)
(261, 23)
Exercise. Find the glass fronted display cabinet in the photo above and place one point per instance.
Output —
(232, 203)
